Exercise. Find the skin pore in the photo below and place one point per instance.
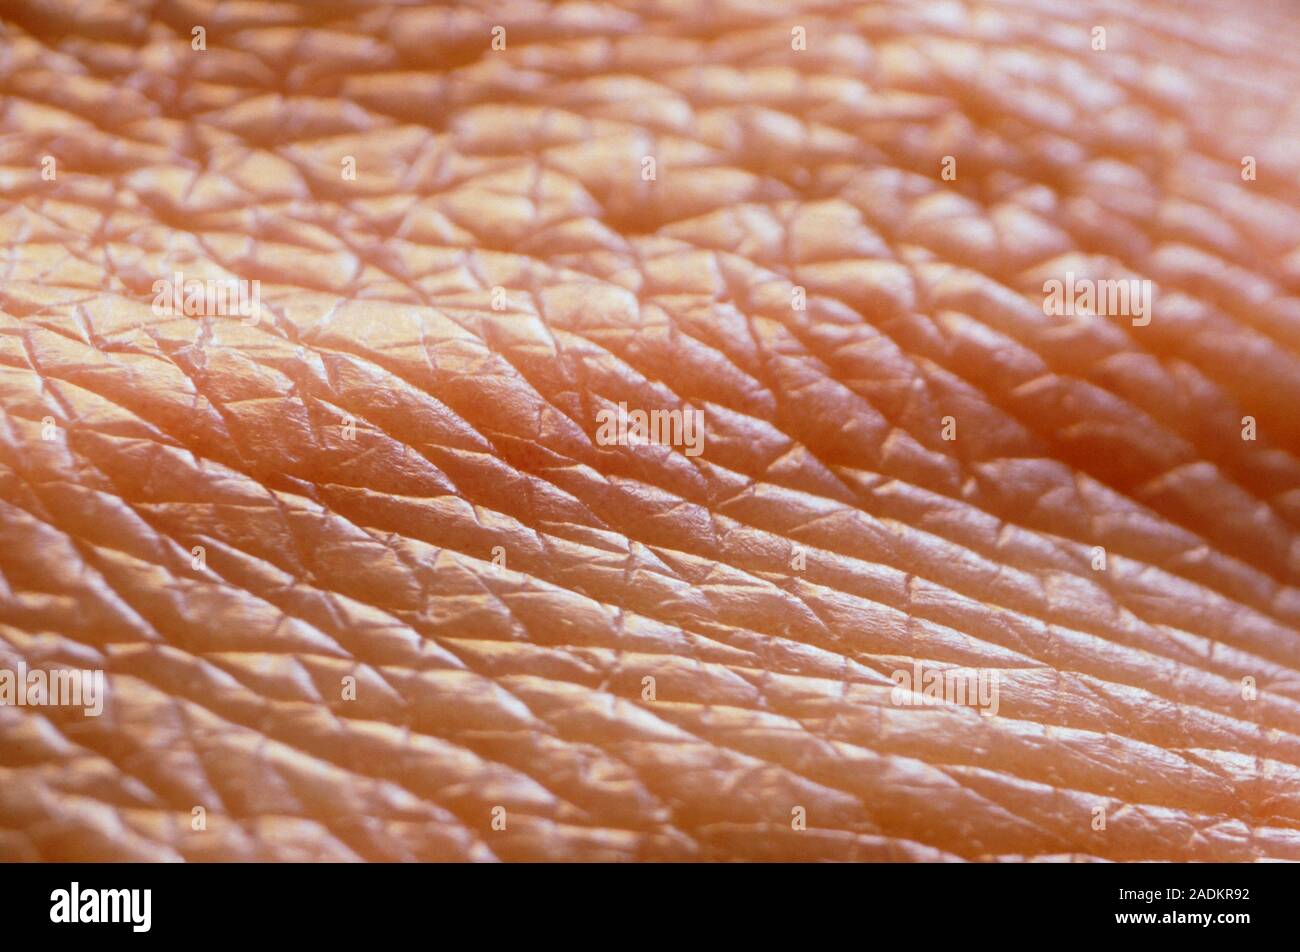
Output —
(957, 564)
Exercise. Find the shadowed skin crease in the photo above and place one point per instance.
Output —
(631, 433)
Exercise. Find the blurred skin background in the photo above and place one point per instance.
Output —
(364, 579)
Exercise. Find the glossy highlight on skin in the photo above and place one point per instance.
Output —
(366, 584)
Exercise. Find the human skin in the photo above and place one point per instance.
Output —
(391, 480)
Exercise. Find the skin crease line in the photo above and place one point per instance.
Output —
(490, 432)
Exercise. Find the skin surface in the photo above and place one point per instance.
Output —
(499, 583)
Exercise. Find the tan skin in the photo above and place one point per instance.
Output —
(366, 583)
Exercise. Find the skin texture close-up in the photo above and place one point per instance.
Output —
(659, 431)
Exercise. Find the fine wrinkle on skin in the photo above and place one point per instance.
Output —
(395, 476)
